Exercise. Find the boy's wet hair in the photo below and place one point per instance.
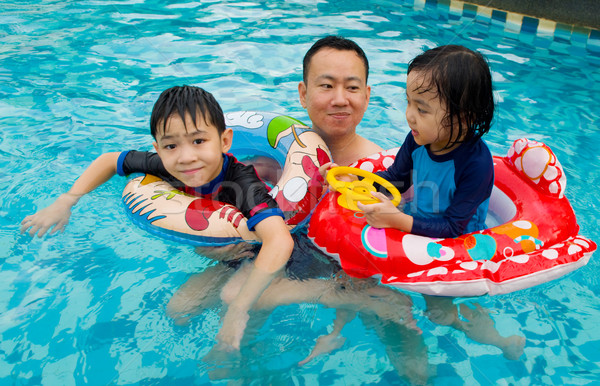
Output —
(337, 43)
(462, 80)
(182, 100)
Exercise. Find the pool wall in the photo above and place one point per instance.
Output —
(577, 12)
(518, 23)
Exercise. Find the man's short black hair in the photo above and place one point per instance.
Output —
(337, 43)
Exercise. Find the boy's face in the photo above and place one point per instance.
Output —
(336, 94)
(192, 155)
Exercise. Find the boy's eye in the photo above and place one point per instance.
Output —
(199, 141)
(169, 146)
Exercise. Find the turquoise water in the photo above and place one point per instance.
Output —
(88, 306)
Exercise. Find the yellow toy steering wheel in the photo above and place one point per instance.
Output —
(358, 191)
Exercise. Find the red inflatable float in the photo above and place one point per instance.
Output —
(532, 236)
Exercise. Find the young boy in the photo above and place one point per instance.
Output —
(191, 140)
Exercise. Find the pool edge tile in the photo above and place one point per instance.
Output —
(515, 23)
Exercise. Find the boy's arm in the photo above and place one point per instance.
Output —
(57, 214)
(277, 245)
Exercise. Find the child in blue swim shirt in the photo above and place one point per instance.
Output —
(450, 170)
(444, 159)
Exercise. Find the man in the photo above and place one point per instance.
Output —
(335, 93)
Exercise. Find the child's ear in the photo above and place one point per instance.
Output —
(155, 146)
(226, 140)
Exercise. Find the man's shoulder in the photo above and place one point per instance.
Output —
(364, 148)
(368, 146)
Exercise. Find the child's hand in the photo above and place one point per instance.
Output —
(55, 215)
(382, 214)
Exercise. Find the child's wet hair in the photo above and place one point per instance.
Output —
(462, 80)
(186, 99)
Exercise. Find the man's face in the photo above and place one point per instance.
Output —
(335, 94)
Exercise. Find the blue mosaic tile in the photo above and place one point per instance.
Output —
(470, 10)
(594, 50)
(579, 37)
(499, 16)
(562, 33)
(453, 16)
(593, 43)
(444, 5)
(530, 25)
(527, 38)
(542, 42)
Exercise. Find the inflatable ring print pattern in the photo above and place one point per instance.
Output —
(155, 206)
(523, 246)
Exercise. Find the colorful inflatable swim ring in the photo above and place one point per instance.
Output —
(532, 236)
(155, 206)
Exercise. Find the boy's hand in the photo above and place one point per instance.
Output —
(382, 214)
(55, 215)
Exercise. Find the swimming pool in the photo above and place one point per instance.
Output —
(80, 78)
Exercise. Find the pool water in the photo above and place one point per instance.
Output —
(78, 79)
